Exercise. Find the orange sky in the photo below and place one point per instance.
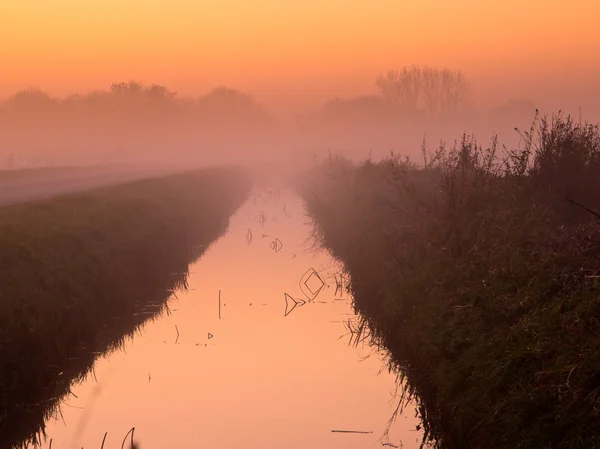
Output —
(292, 51)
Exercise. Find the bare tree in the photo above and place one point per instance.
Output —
(438, 90)
(388, 86)
(411, 84)
(431, 89)
(454, 90)
(401, 87)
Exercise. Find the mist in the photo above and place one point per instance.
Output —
(211, 211)
(149, 125)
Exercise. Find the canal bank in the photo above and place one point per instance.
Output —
(481, 280)
(82, 271)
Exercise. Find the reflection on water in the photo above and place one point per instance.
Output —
(255, 354)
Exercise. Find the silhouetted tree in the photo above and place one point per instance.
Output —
(226, 103)
(454, 90)
(222, 96)
(130, 88)
(31, 99)
(402, 87)
(439, 90)
(159, 93)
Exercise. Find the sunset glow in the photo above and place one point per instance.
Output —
(292, 51)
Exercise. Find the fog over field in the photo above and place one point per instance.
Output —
(294, 224)
(151, 125)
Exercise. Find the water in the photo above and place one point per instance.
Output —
(236, 371)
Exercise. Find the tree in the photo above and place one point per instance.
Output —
(388, 85)
(438, 90)
(230, 104)
(431, 89)
(454, 90)
(401, 87)
(31, 99)
(130, 88)
(159, 93)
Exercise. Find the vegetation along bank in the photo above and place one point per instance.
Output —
(478, 270)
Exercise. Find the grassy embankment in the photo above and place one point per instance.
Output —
(477, 273)
(50, 173)
(80, 272)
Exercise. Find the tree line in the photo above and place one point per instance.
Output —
(410, 88)
(131, 100)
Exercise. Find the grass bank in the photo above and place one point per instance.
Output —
(80, 272)
(41, 174)
(476, 270)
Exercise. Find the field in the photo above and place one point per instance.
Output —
(479, 271)
(82, 271)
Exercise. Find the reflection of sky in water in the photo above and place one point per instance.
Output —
(255, 378)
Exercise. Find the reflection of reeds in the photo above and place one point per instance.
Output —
(80, 273)
(129, 432)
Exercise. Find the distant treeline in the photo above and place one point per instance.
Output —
(131, 120)
(413, 89)
(126, 121)
(131, 101)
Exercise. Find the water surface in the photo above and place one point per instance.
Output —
(233, 366)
